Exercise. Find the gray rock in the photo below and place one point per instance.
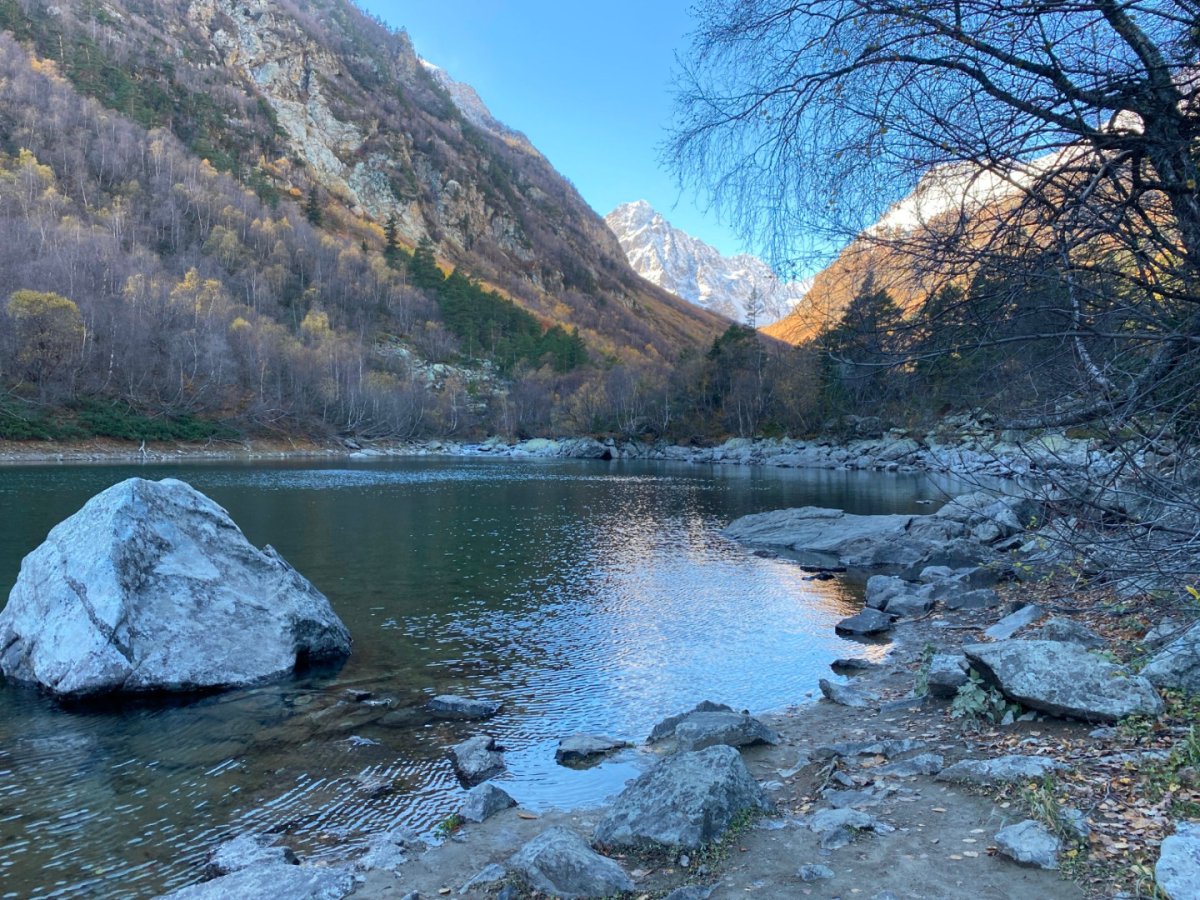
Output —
(1177, 872)
(477, 759)
(866, 621)
(560, 863)
(448, 706)
(947, 673)
(247, 850)
(1068, 632)
(1029, 844)
(1177, 665)
(815, 873)
(848, 665)
(386, 851)
(1000, 770)
(484, 801)
(690, 892)
(152, 587)
(271, 880)
(923, 764)
(983, 598)
(881, 589)
(1064, 680)
(1075, 823)
(666, 728)
(488, 877)
(579, 747)
(846, 694)
(1014, 622)
(707, 729)
(851, 799)
(687, 800)
(837, 827)
(1163, 633)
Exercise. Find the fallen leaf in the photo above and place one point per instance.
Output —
(523, 814)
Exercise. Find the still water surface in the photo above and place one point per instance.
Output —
(588, 596)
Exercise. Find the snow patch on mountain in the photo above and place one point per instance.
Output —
(691, 269)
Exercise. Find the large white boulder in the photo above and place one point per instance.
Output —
(151, 587)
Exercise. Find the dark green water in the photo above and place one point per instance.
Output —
(587, 596)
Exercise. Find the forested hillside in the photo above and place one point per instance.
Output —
(242, 216)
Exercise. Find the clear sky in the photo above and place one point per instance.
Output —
(588, 82)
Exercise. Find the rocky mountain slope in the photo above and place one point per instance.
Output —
(690, 268)
(314, 94)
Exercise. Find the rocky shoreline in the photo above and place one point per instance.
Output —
(1004, 743)
(960, 446)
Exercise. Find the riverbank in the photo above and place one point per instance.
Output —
(937, 838)
(959, 446)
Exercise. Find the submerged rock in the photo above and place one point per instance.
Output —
(247, 850)
(449, 706)
(580, 747)
(560, 863)
(687, 800)
(152, 587)
(477, 758)
(1064, 680)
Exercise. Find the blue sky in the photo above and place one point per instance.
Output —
(588, 82)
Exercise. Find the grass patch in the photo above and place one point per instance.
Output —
(119, 421)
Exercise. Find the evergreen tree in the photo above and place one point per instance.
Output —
(423, 267)
(391, 246)
(312, 207)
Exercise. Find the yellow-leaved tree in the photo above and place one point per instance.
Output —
(49, 334)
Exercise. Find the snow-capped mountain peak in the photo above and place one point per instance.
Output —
(691, 269)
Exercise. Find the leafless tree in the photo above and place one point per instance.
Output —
(1055, 143)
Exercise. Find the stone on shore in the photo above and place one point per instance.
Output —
(560, 863)
(687, 800)
(733, 729)
(981, 598)
(1177, 872)
(247, 850)
(999, 770)
(865, 622)
(947, 673)
(846, 694)
(1064, 680)
(477, 758)
(1177, 665)
(151, 587)
(273, 880)
(490, 876)
(709, 724)
(449, 706)
(898, 597)
(1014, 622)
(1028, 843)
(1068, 632)
(581, 747)
(484, 801)
(921, 764)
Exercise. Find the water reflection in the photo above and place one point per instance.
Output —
(590, 597)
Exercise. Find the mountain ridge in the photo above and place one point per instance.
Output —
(699, 273)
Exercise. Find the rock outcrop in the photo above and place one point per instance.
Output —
(152, 587)
(710, 724)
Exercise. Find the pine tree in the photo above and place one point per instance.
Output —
(391, 246)
(312, 207)
(423, 266)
